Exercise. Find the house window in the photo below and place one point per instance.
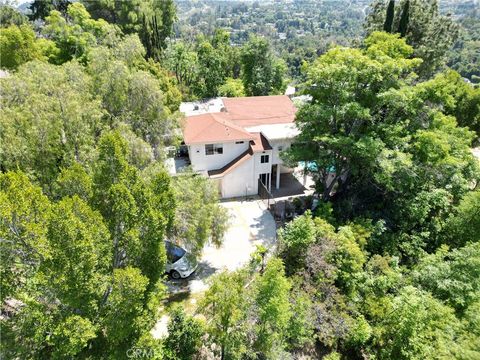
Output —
(280, 148)
(264, 159)
(212, 149)
(239, 142)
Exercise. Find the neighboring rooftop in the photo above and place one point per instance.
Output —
(214, 105)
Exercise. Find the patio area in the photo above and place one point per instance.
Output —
(177, 164)
(293, 184)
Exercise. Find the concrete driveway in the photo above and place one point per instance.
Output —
(250, 224)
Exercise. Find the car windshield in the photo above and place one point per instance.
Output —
(174, 253)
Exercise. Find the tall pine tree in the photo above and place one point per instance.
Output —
(387, 27)
(403, 25)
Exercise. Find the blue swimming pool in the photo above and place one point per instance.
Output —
(312, 166)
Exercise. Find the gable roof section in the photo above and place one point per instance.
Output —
(212, 128)
(232, 164)
(260, 143)
(259, 110)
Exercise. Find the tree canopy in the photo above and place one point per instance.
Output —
(385, 265)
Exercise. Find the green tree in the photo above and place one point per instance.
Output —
(262, 72)
(419, 326)
(152, 19)
(387, 27)
(464, 224)
(71, 336)
(183, 62)
(24, 213)
(122, 92)
(78, 271)
(75, 33)
(372, 138)
(297, 236)
(340, 108)
(157, 28)
(11, 16)
(273, 309)
(74, 180)
(301, 326)
(18, 45)
(52, 124)
(184, 336)
(404, 19)
(449, 92)
(58, 271)
(423, 27)
(452, 276)
(137, 214)
(198, 215)
(212, 71)
(122, 312)
(225, 306)
(231, 88)
(40, 9)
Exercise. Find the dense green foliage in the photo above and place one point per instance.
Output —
(299, 31)
(398, 278)
(421, 24)
(262, 74)
(464, 56)
(18, 45)
(386, 267)
(210, 67)
(152, 20)
(393, 145)
(40, 9)
(85, 204)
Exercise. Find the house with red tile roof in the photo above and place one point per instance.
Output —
(237, 141)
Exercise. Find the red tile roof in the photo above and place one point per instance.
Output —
(260, 143)
(259, 110)
(240, 112)
(212, 128)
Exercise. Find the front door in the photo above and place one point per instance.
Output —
(265, 180)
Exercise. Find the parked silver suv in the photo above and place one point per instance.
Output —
(180, 263)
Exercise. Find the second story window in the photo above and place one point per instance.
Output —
(212, 149)
(264, 159)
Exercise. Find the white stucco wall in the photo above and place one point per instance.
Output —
(243, 180)
(284, 143)
(202, 162)
(240, 181)
(260, 168)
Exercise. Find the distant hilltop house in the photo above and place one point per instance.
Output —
(237, 141)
